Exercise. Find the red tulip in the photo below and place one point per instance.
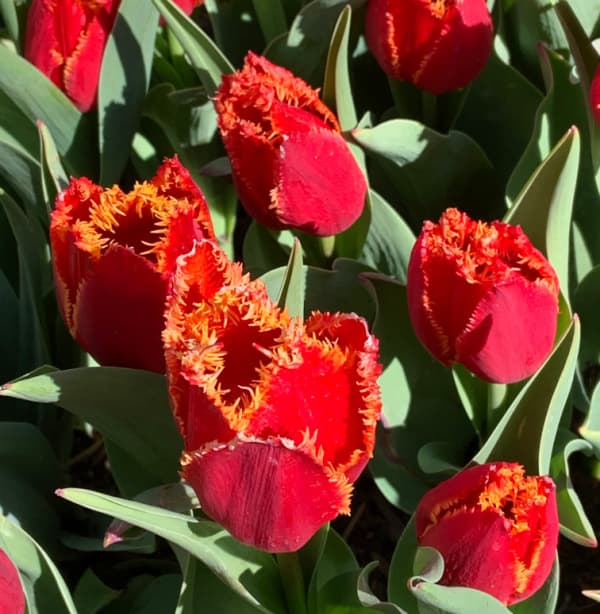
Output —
(113, 254)
(278, 415)
(481, 295)
(65, 39)
(12, 597)
(496, 529)
(595, 95)
(439, 45)
(291, 165)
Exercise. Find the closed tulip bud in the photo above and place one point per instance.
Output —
(12, 596)
(439, 45)
(290, 163)
(113, 253)
(595, 95)
(481, 295)
(496, 529)
(277, 415)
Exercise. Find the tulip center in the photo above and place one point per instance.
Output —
(439, 8)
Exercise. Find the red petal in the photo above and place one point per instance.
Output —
(511, 332)
(266, 494)
(477, 552)
(319, 187)
(12, 597)
(595, 95)
(118, 315)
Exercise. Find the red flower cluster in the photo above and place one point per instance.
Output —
(496, 529)
(65, 40)
(481, 295)
(291, 165)
(278, 415)
(439, 45)
(113, 254)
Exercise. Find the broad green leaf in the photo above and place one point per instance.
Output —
(236, 27)
(304, 49)
(202, 592)
(423, 172)
(473, 393)
(527, 431)
(389, 240)
(586, 303)
(203, 53)
(8, 11)
(337, 93)
(128, 406)
(340, 289)
(498, 112)
(91, 594)
(401, 569)
(366, 596)
(438, 599)
(40, 99)
(574, 523)
(45, 589)
(53, 175)
(590, 429)
(16, 128)
(264, 250)
(271, 17)
(545, 205)
(123, 82)
(148, 595)
(415, 412)
(291, 293)
(247, 571)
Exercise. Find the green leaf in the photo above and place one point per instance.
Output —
(249, 572)
(271, 18)
(16, 128)
(264, 250)
(304, 50)
(291, 293)
(389, 240)
(128, 406)
(574, 524)
(401, 569)
(8, 11)
(590, 429)
(53, 177)
(438, 599)
(545, 205)
(45, 589)
(147, 595)
(527, 431)
(91, 594)
(123, 83)
(424, 172)
(586, 303)
(414, 411)
(203, 53)
(40, 99)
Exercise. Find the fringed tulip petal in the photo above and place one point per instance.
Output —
(481, 295)
(496, 528)
(595, 95)
(113, 253)
(12, 596)
(266, 493)
(290, 163)
(438, 45)
(290, 406)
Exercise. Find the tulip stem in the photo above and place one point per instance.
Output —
(429, 109)
(293, 582)
(496, 397)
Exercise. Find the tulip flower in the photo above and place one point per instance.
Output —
(12, 597)
(277, 415)
(290, 163)
(438, 45)
(113, 253)
(595, 95)
(496, 529)
(481, 295)
(65, 39)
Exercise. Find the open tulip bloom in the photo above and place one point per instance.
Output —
(113, 253)
(278, 415)
(496, 529)
(290, 163)
(481, 295)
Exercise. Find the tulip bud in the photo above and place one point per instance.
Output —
(595, 95)
(12, 597)
(113, 254)
(277, 415)
(290, 163)
(496, 529)
(439, 45)
(481, 295)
